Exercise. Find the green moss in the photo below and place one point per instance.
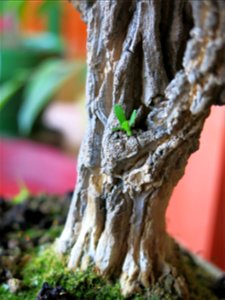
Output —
(45, 266)
(83, 285)
(24, 295)
(44, 235)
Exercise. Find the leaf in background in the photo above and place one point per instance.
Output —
(119, 112)
(45, 42)
(133, 118)
(45, 82)
(22, 196)
(10, 87)
(53, 10)
(46, 6)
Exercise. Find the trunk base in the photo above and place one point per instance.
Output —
(190, 279)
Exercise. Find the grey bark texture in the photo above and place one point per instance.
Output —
(167, 60)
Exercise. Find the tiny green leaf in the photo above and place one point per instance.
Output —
(119, 112)
(10, 87)
(126, 127)
(133, 118)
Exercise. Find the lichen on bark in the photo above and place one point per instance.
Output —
(167, 60)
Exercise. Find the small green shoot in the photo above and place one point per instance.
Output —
(125, 125)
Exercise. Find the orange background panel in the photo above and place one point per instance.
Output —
(73, 29)
(218, 227)
(31, 20)
(192, 216)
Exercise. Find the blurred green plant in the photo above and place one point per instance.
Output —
(46, 80)
(38, 85)
(10, 87)
(32, 69)
(12, 6)
(22, 196)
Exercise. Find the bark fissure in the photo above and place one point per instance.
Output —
(145, 56)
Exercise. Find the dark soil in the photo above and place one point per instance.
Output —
(26, 226)
(53, 293)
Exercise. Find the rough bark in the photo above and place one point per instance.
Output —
(167, 60)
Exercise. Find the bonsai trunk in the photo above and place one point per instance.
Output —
(166, 59)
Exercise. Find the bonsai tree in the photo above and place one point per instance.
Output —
(162, 65)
